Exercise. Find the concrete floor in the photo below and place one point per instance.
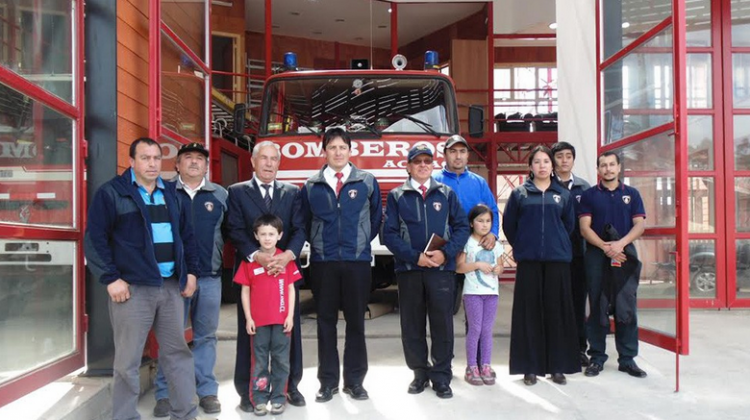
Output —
(714, 380)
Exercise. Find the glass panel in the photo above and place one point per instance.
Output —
(701, 142)
(699, 82)
(656, 290)
(36, 152)
(648, 165)
(701, 213)
(740, 23)
(743, 268)
(366, 105)
(638, 89)
(37, 317)
(624, 21)
(742, 203)
(182, 92)
(741, 80)
(36, 43)
(742, 142)
(702, 268)
(187, 18)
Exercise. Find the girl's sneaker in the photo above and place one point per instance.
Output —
(487, 375)
(472, 376)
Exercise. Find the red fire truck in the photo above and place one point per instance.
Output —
(385, 111)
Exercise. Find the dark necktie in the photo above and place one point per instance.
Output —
(339, 184)
(424, 191)
(267, 197)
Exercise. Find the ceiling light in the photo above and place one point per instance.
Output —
(294, 13)
(553, 25)
(317, 33)
(625, 25)
(340, 20)
(382, 26)
(389, 10)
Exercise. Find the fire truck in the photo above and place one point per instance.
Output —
(386, 113)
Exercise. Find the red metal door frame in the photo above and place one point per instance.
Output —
(39, 377)
(679, 342)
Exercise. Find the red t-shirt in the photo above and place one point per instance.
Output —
(269, 304)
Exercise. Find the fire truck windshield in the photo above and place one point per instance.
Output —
(365, 104)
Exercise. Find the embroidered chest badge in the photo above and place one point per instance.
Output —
(578, 198)
(209, 206)
(437, 206)
(352, 194)
(626, 199)
(557, 198)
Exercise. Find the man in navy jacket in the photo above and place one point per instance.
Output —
(426, 279)
(206, 203)
(139, 243)
(343, 209)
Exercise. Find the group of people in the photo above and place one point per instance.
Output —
(157, 246)
(546, 221)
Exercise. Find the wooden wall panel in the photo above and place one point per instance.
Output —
(132, 75)
(472, 27)
(313, 53)
(525, 55)
(469, 71)
(229, 19)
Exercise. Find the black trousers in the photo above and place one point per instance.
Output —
(579, 290)
(341, 285)
(243, 359)
(422, 294)
(543, 335)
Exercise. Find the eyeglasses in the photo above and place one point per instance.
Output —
(426, 161)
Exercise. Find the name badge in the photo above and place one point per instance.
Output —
(258, 271)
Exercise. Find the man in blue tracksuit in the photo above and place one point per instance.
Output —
(472, 189)
(139, 243)
(426, 279)
(206, 203)
(343, 211)
(565, 155)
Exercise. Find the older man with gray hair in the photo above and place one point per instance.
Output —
(248, 200)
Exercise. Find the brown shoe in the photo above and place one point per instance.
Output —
(210, 404)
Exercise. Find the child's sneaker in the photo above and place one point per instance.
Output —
(487, 375)
(472, 376)
(277, 408)
(260, 410)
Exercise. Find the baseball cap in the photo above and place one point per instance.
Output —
(454, 140)
(419, 149)
(193, 147)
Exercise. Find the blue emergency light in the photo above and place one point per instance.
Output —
(290, 61)
(431, 60)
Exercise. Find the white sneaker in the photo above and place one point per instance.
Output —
(277, 408)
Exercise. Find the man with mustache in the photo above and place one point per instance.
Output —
(206, 203)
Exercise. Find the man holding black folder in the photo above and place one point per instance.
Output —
(417, 210)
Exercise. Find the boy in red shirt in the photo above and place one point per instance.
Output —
(268, 302)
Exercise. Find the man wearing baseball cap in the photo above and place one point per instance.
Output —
(206, 204)
(415, 211)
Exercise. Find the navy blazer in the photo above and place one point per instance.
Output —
(245, 204)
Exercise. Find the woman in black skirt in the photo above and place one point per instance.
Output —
(537, 221)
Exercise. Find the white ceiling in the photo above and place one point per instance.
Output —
(365, 22)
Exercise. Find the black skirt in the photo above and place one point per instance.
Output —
(543, 336)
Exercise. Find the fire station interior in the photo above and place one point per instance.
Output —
(204, 71)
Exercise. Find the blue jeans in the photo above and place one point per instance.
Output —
(203, 312)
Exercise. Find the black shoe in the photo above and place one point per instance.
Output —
(357, 392)
(418, 385)
(584, 360)
(162, 408)
(633, 370)
(529, 379)
(210, 404)
(442, 390)
(246, 405)
(593, 369)
(295, 398)
(326, 393)
(559, 379)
